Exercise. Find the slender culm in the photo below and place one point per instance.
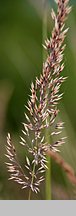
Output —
(42, 109)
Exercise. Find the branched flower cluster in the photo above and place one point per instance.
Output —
(42, 109)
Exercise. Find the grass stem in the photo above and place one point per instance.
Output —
(48, 171)
(29, 197)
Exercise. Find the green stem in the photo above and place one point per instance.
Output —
(29, 197)
(48, 171)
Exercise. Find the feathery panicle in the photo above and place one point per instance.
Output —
(42, 108)
(16, 172)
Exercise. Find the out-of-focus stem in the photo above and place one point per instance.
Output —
(65, 166)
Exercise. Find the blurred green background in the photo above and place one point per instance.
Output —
(21, 57)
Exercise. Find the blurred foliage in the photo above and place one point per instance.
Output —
(20, 62)
(20, 53)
